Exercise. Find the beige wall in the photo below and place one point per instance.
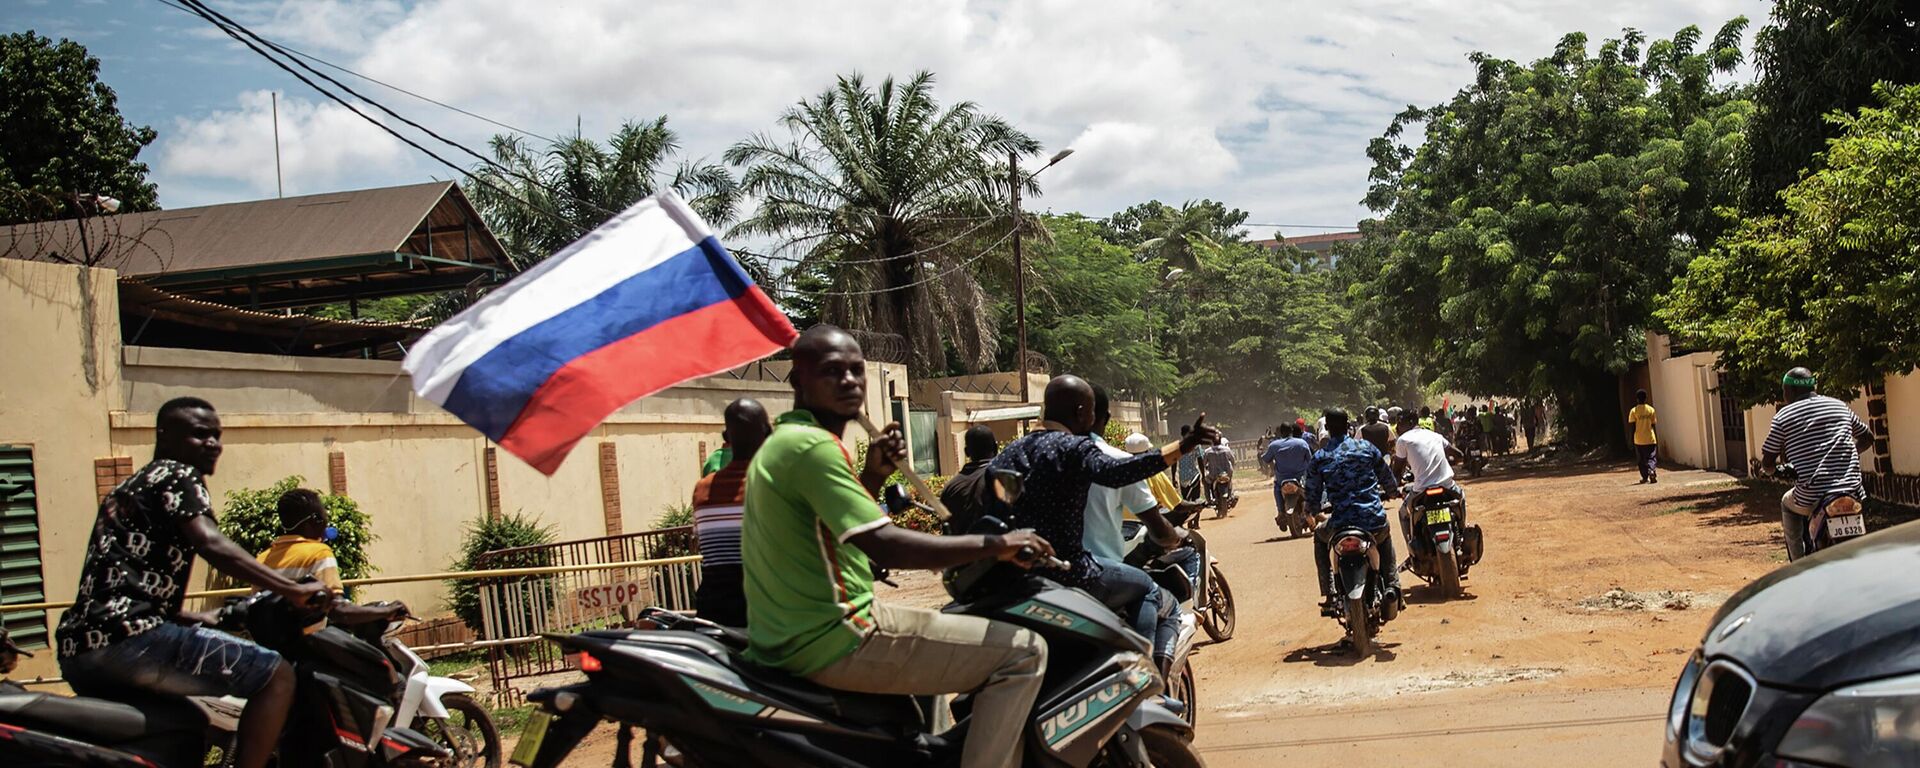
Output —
(1681, 391)
(416, 470)
(1903, 423)
(60, 344)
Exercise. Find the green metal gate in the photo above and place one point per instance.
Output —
(923, 433)
(20, 580)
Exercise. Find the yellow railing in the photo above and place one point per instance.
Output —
(441, 576)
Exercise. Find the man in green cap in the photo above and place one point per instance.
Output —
(1822, 438)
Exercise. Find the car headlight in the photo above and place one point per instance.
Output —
(1870, 724)
(1682, 694)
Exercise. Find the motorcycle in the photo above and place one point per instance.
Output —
(1440, 545)
(1837, 518)
(1293, 509)
(1204, 600)
(1359, 581)
(342, 716)
(1220, 495)
(1476, 452)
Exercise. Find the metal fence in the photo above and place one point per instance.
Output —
(516, 610)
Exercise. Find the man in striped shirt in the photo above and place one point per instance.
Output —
(718, 501)
(1822, 438)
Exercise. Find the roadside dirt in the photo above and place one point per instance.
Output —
(1592, 592)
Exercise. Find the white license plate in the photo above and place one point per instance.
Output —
(534, 732)
(1847, 526)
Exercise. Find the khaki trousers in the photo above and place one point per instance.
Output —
(922, 653)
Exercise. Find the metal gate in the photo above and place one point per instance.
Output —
(923, 436)
(515, 610)
(20, 576)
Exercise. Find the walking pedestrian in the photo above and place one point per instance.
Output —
(1646, 445)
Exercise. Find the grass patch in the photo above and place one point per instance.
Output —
(509, 720)
(445, 666)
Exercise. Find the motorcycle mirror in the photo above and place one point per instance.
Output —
(1008, 484)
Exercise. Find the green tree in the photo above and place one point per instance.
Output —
(1172, 236)
(1261, 338)
(1832, 283)
(487, 534)
(1528, 234)
(1817, 57)
(1088, 309)
(61, 134)
(545, 200)
(899, 204)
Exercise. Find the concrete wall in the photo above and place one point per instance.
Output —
(69, 390)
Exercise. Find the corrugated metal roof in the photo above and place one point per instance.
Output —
(289, 334)
(260, 232)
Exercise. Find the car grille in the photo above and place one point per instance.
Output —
(1714, 710)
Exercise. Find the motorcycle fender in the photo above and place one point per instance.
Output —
(437, 687)
(1152, 714)
(1446, 547)
(1353, 574)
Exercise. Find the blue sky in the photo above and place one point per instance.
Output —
(1266, 106)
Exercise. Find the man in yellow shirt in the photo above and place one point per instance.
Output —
(1645, 443)
(302, 551)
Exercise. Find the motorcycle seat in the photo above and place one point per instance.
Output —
(864, 708)
(99, 720)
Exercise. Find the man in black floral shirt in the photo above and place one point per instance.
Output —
(127, 631)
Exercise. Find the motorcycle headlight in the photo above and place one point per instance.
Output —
(1869, 724)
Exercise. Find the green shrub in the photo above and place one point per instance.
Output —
(486, 535)
(252, 520)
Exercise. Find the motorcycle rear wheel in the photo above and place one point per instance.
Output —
(1219, 617)
(468, 732)
(1358, 633)
(1448, 575)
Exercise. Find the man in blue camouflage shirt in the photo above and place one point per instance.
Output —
(1353, 475)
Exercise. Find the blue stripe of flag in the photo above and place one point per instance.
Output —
(494, 390)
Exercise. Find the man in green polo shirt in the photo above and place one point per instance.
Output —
(811, 525)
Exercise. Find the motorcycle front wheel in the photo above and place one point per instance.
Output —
(1219, 617)
(468, 732)
(1184, 687)
(1167, 749)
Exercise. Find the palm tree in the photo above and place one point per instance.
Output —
(898, 204)
(542, 201)
(1177, 234)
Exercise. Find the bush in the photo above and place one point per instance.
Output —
(671, 545)
(486, 535)
(252, 520)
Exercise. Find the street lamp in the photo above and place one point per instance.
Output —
(1020, 265)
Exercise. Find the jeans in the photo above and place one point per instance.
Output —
(1649, 457)
(1389, 562)
(913, 651)
(173, 660)
(1132, 593)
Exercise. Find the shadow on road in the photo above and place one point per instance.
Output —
(1339, 654)
(1428, 594)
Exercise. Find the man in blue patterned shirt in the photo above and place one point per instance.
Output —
(1353, 475)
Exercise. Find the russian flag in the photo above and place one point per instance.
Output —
(648, 300)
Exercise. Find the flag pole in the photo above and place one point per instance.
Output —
(933, 499)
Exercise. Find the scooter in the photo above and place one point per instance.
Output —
(1098, 705)
(1364, 605)
(342, 713)
(1441, 546)
(1837, 518)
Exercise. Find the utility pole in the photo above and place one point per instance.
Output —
(279, 184)
(1019, 275)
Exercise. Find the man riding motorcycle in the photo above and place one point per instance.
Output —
(1352, 474)
(128, 632)
(1290, 455)
(1426, 453)
(1823, 439)
(810, 526)
(1109, 508)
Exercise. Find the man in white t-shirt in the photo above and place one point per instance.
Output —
(1426, 453)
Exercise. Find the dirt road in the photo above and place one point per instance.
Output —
(1592, 592)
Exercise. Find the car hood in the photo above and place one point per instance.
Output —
(1845, 614)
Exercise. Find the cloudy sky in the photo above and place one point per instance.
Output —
(1267, 106)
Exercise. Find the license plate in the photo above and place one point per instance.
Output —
(531, 735)
(1847, 526)
(1438, 516)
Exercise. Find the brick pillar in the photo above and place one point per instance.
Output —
(610, 488)
(493, 484)
(337, 473)
(109, 473)
(703, 453)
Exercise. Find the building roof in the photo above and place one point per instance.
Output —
(153, 317)
(1312, 243)
(284, 252)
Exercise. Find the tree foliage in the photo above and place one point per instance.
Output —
(1172, 236)
(1526, 236)
(251, 518)
(897, 205)
(1817, 57)
(1833, 282)
(1089, 306)
(61, 134)
(485, 535)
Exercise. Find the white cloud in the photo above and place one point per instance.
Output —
(320, 144)
(1264, 105)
